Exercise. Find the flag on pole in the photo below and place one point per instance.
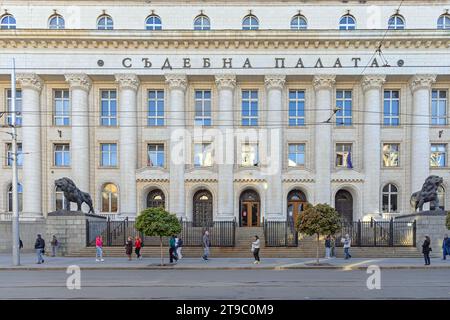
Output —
(349, 160)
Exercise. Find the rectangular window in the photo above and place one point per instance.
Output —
(155, 116)
(155, 155)
(344, 106)
(61, 105)
(203, 155)
(249, 155)
(250, 107)
(108, 156)
(61, 155)
(9, 155)
(203, 107)
(18, 107)
(438, 155)
(296, 108)
(344, 155)
(439, 107)
(296, 154)
(390, 154)
(391, 108)
(108, 107)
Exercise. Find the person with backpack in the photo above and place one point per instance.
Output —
(137, 247)
(172, 249)
(54, 243)
(39, 246)
(179, 246)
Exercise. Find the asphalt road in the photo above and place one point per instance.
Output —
(220, 284)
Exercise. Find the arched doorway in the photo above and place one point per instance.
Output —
(155, 199)
(296, 201)
(343, 202)
(203, 209)
(249, 204)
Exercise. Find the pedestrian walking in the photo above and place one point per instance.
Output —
(256, 244)
(39, 246)
(129, 247)
(172, 249)
(445, 247)
(137, 247)
(20, 244)
(333, 247)
(54, 243)
(99, 248)
(206, 244)
(328, 247)
(347, 241)
(426, 249)
(179, 247)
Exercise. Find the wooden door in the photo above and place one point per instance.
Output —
(250, 215)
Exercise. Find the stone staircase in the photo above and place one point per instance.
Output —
(244, 236)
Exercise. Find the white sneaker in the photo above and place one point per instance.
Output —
(255, 262)
(102, 260)
(97, 260)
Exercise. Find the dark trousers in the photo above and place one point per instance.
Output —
(138, 252)
(256, 254)
(426, 256)
(172, 255)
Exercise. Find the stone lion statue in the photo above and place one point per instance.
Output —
(428, 193)
(73, 194)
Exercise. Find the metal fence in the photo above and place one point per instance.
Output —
(280, 234)
(379, 233)
(115, 233)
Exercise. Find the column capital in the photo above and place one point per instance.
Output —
(225, 81)
(421, 81)
(176, 81)
(127, 81)
(29, 81)
(372, 82)
(79, 81)
(324, 81)
(275, 81)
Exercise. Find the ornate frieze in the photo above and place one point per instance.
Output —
(79, 81)
(225, 81)
(372, 82)
(275, 81)
(324, 81)
(29, 81)
(127, 81)
(176, 81)
(422, 81)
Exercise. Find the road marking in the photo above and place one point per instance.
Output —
(350, 266)
(294, 264)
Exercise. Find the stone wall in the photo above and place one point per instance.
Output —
(28, 232)
(432, 224)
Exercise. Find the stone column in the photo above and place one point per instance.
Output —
(420, 137)
(31, 85)
(273, 169)
(128, 86)
(177, 145)
(372, 87)
(225, 85)
(80, 85)
(323, 86)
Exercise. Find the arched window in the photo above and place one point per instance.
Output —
(298, 22)
(60, 200)
(250, 22)
(153, 22)
(441, 198)
(347, 22)
(109, 198)
(396, 22)
(201, 22)
(56, 22)
(390, 198)
(203, 209)
(20, 198)
(444, 22)
(8, 22)
(105, 22)
(155, 199)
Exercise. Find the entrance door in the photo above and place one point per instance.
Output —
(250, 214)
(203, 209)
(344, 205)
(296, 202)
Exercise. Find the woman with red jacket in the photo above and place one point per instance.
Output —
(137, 247)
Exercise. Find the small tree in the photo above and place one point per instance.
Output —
(447, 221)
(158, 222)
(320, 219)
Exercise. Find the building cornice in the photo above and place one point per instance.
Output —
(220, 39)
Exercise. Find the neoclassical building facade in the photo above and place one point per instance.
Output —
(226, 110)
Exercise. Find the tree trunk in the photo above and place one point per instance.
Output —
(317, 249)
(161, 247)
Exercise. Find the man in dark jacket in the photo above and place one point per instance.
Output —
(39, 245)
(445, 247)
(172, 249)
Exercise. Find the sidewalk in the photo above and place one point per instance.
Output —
(28, 262)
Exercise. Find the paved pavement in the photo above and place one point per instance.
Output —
(28, 262)
(225, 284)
